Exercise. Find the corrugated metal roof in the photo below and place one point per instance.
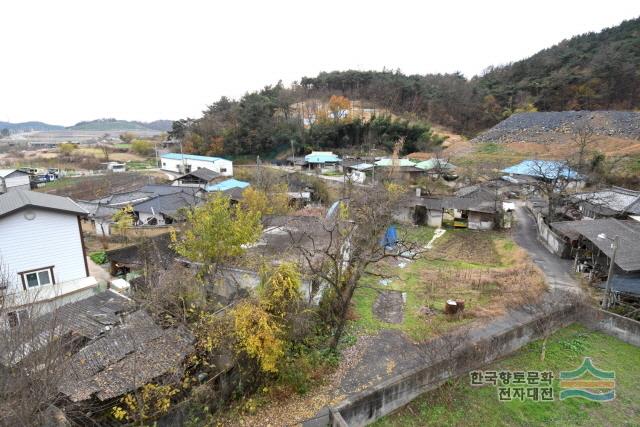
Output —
(18, 199)
(389, 162)
(542, 169)
(178, 156)
(226, 185)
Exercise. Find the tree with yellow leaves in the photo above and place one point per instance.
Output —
(216, 232)
(272, 203)
(338, 104)
(258, 335)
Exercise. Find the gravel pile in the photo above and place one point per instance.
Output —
(556, 126)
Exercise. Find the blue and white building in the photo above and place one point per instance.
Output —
(187, 163)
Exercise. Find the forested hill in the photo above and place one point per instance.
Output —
(594, 71)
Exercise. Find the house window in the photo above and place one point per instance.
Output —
(15, 318)
(223, 170)
(35, 278)
(164, 163)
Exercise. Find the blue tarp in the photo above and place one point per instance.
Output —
(390, 237)
(227, 185)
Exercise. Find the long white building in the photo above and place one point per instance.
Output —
(186, 163)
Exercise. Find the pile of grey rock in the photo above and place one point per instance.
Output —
(555, 126)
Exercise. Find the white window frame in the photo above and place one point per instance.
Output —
(37, 272)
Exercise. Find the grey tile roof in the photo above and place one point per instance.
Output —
(162, 190)
(204, 174)
(167, 204)
(19, 199)
(132, 353)
(88, 318)
(628, 255)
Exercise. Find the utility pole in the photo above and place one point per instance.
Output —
(607, 291)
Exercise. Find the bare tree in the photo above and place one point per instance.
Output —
(583, 135)
(354, 234)
(32, 359)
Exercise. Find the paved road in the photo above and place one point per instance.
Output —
(557, 270)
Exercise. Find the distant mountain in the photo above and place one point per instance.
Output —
(28, 127)
(111, 125)
(161, 125)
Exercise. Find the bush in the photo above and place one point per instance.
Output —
(98, 257)
(142, 147)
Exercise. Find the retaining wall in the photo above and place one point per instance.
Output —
(369, 405)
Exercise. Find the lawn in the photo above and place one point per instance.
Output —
(458, 403)
(485, 269)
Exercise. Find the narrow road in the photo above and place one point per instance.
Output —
(557, 270)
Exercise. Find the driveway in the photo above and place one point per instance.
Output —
(558, 271)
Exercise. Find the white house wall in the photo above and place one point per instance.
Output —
(174, 165)
(50, 239)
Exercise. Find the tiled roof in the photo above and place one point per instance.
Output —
(203, 174)
(167, 204)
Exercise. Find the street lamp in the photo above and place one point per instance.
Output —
(615, 242)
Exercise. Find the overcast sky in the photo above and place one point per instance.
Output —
(67, 61)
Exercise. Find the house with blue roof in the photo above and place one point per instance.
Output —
(322, 159)
(542, 169)
(187, 163)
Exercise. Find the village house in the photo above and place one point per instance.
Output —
(186, 163)
(438, 168)
(42, 255)
(528, 172)
(614, 202)
(198, 178)
(403, 169)
(13, 179)
(152, 204)
(591, 242)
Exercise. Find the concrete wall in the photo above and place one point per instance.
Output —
(434, 218)
(381, 399)
(623, 328)
(554, 243)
